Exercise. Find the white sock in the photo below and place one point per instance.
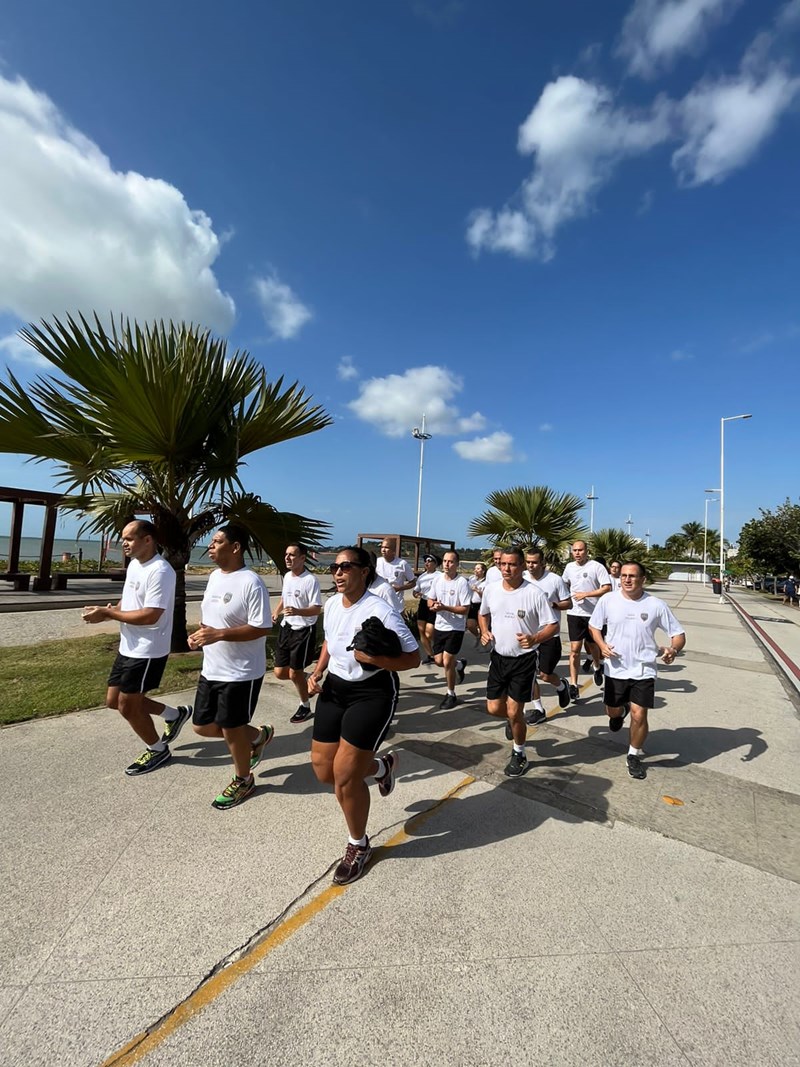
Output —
(451, 692)
(361, 842)
(305, 703)
(169, 714)
(635, 751)
(159, 746)
(538, 705)
(381, 768)
(519, 749)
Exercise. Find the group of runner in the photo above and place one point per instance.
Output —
(514, 609)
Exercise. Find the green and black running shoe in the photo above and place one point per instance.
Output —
(238, 790)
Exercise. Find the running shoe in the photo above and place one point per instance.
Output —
(509, 731)
(563, 696)
(535, 716)
(615, 721)
(449, 702)
(517, 765)
(461, 666)
(573, 692)
(354, 860)
(266, 735)
(235, 792)
(587, 666)
(174, 726)
(301, 714)
(636, 769)
(428, 660)
(599, 674)
(386, 781)
(148, 761)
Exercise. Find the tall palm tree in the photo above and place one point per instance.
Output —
(616, 544)
(693, 535)
(530, 515)
(157, 420)
(676, 546)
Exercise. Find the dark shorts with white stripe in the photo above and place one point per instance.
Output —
(356, 712)
(296, 647)
(619, 691)
(228, 704)
(511, 676)
(130, 674)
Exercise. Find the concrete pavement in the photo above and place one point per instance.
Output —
(572, 917)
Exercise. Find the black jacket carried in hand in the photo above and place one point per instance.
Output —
(376, 640)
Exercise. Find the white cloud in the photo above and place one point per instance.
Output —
(284, 312)
(77, 235)
(726, 121)
(680, 355)
(656, 32)
(788, 18)
(546, 427)
(577, 136)
(496, 448)
(13, 347)
(395, 404)
(646, 202)
(346, 369)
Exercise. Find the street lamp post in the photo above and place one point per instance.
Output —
(709, 500)
(422, 437)
(730, 418)
(591, 498)
(629, 523)
(647, 539)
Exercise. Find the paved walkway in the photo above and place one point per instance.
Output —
(572, 917)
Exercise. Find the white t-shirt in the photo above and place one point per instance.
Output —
(341, 624)
(632, 625)
(381, 588)
(398, 572)
(238, 598)
(583, 578)
(524, 610)
(300, 591)
(494, 574)
(424, 583)
(552, 585)
(454, 591)
(477, 585)
(616, 584)
(148, 585)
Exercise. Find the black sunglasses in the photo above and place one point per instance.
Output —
(346, 565)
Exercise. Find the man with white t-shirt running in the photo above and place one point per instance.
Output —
(235, 619)
(301, 606)
(549, 651)
(449, 599)
(145, 616)
(395, 571)
(587, 581)
(630, 649)
(521, 619)
(614, 571)
(494, 573)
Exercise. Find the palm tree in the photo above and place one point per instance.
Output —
(157, 420)
(530, 515)
(616, 544)
(675, 545)
(692, 533)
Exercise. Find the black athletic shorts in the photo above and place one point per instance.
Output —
(473, 611)
(578, 628)
(619, 691)
(424, 613)
(447, 641)
(228, 704)
(511, 676)
(130, 674)
(549, 654)
(295, 648)
(356, 712)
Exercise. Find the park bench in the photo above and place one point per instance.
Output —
(60, 578)
(22, 581)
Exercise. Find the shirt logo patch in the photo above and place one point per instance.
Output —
(585, 574)
(520, 613)
(644, 616)
(227, 598)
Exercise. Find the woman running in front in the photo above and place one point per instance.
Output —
(356, 703)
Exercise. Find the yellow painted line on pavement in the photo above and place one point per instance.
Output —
(216, 984)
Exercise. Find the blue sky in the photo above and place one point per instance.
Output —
(566, 232)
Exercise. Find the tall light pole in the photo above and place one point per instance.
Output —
(647, 539)
(629, 523)
(591, 498)
(709, 500)
(730, 418)
(422, 437)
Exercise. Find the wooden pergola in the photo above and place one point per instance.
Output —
(18, 498)
(436, 546)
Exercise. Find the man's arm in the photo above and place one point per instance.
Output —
(677, 642)
(209, 635)
(111, 613)
(592, 593)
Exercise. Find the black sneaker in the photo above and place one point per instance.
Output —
(174, 726)
(428, 660)
(386, 781)
(587, 666)
(535, 716)
(509, 731)
(563, 696)
(449, 702)
(461, 666)
(517, 765)
(148, 761)
(573, 692)
(615, 721)
(301, 714)
(257, 751)
(599, 675)
(636, 769)
(354, 860)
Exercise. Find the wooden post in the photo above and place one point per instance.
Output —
(15, 538)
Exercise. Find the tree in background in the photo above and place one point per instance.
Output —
(616, 544)
(157, 420)
(773, 541)
(531, 515)
(692, 533)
